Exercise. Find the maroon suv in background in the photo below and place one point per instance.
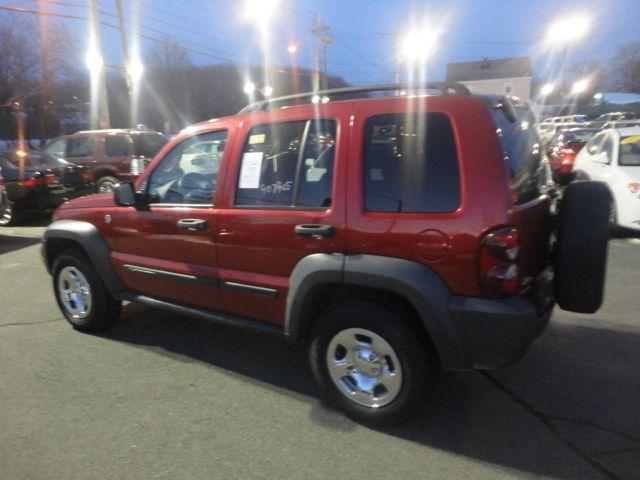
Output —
(114, 156)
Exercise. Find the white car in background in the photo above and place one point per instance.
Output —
(613, 156)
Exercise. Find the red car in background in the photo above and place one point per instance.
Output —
(562, 151)
(113, 156)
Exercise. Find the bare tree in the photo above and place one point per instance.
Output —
(626, 68)
(168, 55)
(18, 57)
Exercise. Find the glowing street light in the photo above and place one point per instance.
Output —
(94, 61)
(419, 44)
(568, 30)
(547, 89)
(292, 48)
(563, 32)
(267, 91)
(249, 88)
(260, 12)
(135, 69)
(580, 86)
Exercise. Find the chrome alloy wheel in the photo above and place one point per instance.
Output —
(364, 367)
(74, 292)
(7, 216)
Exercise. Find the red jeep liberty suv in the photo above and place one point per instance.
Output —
(396, 232)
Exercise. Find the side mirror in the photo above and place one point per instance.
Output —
(124, 195)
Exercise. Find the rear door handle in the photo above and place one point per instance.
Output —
(192, 224)
(314, 230)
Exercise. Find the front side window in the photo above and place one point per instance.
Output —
(188, 173)
(410, 164)
(118, 146)
(78, 147)
(288, 164)
(607, 148)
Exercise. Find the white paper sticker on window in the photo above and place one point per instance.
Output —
(250, 170)
(257, 138)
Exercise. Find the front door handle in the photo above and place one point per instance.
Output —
(192, 224)
(315, 230)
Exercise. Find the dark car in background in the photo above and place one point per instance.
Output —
(562, 151)
(4, 199)
(114, 156)
(611, 117)
(37, 182)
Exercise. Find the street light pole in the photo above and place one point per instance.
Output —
(123, 42)
(565, 56)
(99, 104)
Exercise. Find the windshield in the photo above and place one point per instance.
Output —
(629, 151)
(36, 160)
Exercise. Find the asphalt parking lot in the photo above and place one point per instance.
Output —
(160, 396)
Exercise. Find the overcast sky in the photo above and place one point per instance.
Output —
(366, 31)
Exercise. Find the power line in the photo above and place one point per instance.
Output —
(110, 25)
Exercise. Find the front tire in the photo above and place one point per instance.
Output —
(81, 295)
(368, 362)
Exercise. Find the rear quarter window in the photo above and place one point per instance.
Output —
(522, 152)
(410, 164)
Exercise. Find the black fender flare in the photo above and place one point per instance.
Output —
(417, 283)
(89, 238)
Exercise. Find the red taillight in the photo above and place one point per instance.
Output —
(567, 157)
(30, 182)
(88, 176)
(40, 180)
(499, 272)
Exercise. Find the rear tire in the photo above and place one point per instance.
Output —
(382, 377)
(82, 297)
(580, 256)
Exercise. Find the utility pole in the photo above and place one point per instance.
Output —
(323, 39)
(99, 102)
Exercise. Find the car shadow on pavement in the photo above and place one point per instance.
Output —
(13, 243)
(576, 390)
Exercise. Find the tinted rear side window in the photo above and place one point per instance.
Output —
(118, 146)
(521, 150)
(148, 145)
(410, 164)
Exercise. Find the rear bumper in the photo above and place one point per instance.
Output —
(47, 199)
(496, 332)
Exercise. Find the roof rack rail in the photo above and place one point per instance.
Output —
(445, 88)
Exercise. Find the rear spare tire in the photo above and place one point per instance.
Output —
(580, 257)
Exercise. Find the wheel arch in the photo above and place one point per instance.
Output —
(64, 234)
(321, 279)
